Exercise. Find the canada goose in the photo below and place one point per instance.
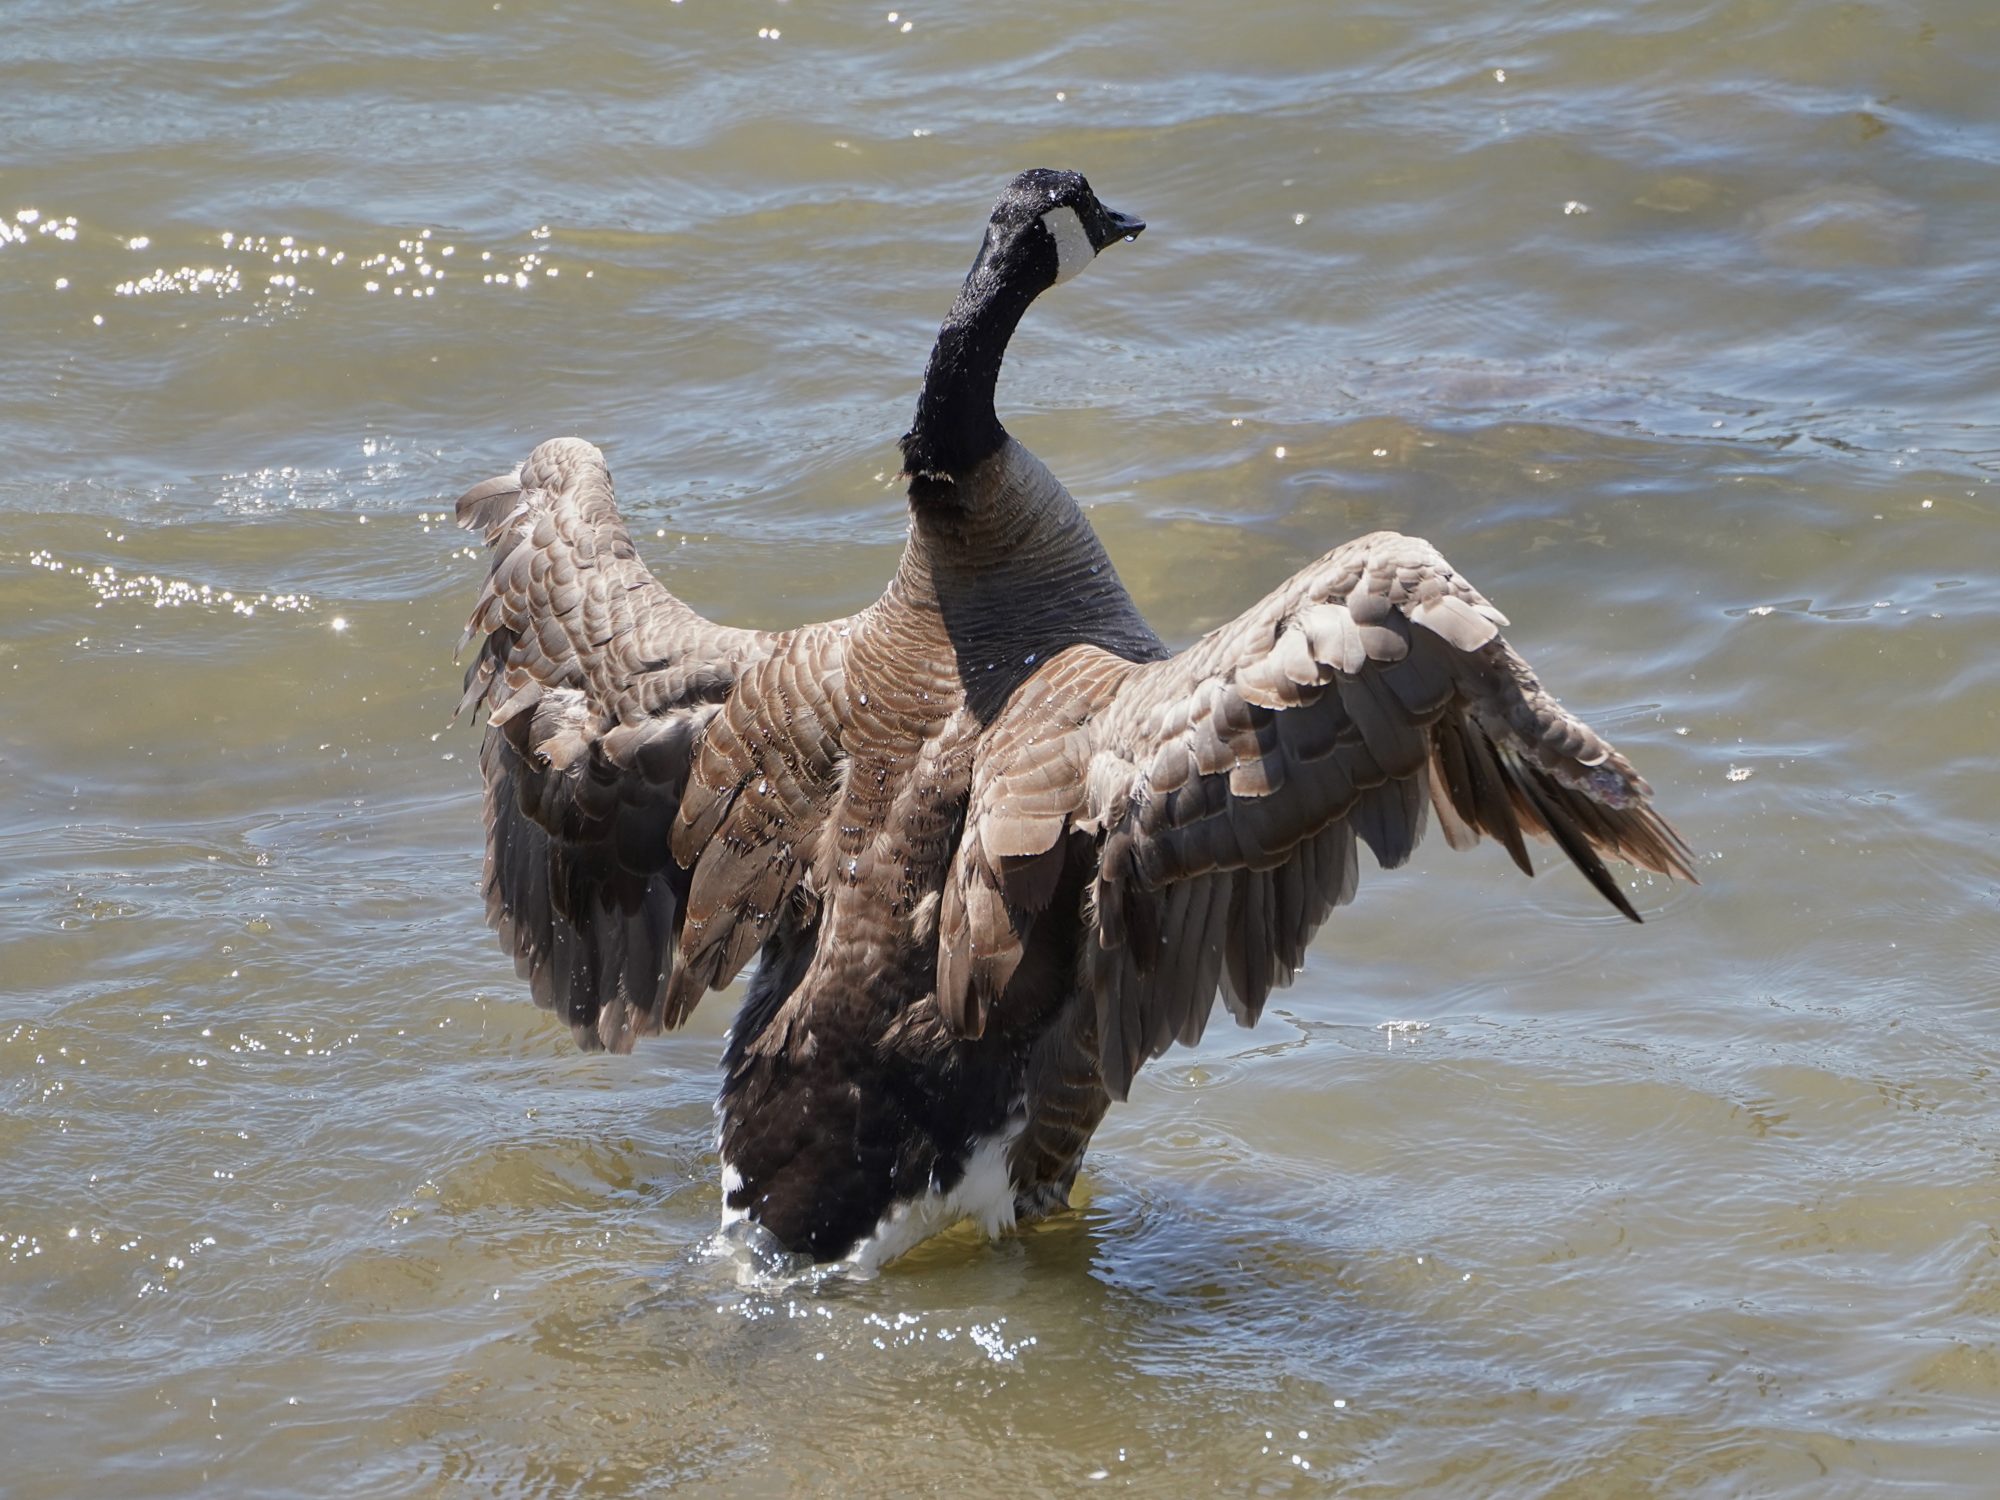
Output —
(996, 845)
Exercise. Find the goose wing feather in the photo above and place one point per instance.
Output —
(751, 822)
(1221, 792)
(598, 685)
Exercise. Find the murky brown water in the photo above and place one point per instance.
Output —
(1673, 325)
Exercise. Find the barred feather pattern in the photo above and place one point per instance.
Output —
(1223, 792)
(597, 684)
(996, 846)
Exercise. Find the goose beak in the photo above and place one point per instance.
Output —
(1117, 226)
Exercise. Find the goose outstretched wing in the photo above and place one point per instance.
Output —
(598, 684)
(1220, 793)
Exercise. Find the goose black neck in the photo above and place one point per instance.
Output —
(956, 427)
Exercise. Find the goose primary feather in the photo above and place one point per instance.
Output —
(993, 845)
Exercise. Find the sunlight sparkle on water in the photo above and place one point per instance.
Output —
(110, 585)
(218, 280)
(298, 269)
(17, 232)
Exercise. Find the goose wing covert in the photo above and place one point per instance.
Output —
(1221, 792)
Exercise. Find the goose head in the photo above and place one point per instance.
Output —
(1047, 226)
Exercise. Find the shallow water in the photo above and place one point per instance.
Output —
(1671, 323)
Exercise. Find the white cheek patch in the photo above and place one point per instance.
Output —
(1073, 248)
